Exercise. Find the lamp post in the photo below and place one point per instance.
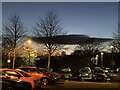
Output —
(9, 56)
(102, 59)
(112, 61)
(96, 60)
(29, 43)
(8, 61)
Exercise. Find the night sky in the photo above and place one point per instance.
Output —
(96, 19)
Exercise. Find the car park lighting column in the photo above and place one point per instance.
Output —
(102, 59)
(112, 61)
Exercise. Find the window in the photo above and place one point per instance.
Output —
(12, 73)
(24, 73)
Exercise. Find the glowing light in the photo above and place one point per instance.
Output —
(29, 41)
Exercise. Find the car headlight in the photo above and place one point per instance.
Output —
(104, 75)
(55, 78)
(86, 74)
(80, 75)
(70, 74)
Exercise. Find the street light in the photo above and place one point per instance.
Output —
(111, 47)
(102, 59)
(29, 41)
(8, 61)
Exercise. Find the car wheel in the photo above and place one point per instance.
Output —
(44, 81)
(104, 79)
(80, 79)
(94, 78)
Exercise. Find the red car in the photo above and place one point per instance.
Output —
(45, 78)
(19, 74)
(8, 83)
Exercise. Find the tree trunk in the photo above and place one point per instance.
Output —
(49, 55)
(14, 57)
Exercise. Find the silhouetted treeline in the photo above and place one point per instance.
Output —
(79, 61)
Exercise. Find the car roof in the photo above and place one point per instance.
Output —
(27, 67)
(6, 69)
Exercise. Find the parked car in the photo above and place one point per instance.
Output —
(13, 84)
(65, 72)
(19, 74)
(45, 78)
(115, 75)
(85, 73)
(55, 75)
(75, 75)
(100, 75)
(118, 69)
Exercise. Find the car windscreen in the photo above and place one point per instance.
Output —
(42, 70)
(84, 70)
(24, 73)
(2, 74)
(12, 73)
(30, 69)
(99, 71)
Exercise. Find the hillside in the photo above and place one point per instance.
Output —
(71, 39)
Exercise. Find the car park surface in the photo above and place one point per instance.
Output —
(84, 85)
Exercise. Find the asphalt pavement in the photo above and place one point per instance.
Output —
(83, 85)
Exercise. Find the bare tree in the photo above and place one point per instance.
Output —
(116, 41)
(88, 47)
(13, 31)
(48, 28)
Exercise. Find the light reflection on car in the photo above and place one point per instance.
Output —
(45, 78)
(8, 83)
(100, 75)
(19, 74)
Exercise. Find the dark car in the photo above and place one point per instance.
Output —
(85, 73)
(100, 75)
(57, 76)
(13, 84)
(75, 75)
(65, 72)
(114, 75)
(10, 84)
